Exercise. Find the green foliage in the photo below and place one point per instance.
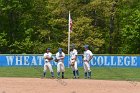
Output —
(130, 30)
(86, 34)
(3, 42)
(31, 27)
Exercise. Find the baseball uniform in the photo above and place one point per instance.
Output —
(47, 64)
(87, 57)
(60, 65)
(73, 58)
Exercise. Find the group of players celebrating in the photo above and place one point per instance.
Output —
(59, 58)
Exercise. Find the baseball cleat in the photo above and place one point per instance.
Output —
(74, 77)
(89, 77)
(62, 77)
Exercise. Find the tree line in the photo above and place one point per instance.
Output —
(107, 26)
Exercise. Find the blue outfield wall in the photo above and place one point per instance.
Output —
(97, 61)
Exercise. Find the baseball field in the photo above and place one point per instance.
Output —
(104, 80)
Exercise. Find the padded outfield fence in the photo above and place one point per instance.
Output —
(99, 60)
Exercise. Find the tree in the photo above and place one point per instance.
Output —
(130, 27)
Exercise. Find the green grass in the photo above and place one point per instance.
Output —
(97, 73)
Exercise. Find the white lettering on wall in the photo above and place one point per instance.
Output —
(126, 61)
(34, 61)
(100, 61)
(26, 60)
(106, 63)
(120, 61)
(18, 60)
(10, 60)
(134, 63)
(93, 62)
(40, 58)
(112, 61)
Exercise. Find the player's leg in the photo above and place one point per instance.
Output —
(76, 69)
(89, 71)
(45, 69)
(62, 69)
(51, 70)
(74, 72)
(58, 69)
(85, 69)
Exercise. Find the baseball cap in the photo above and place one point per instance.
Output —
(48, 49)
(60, 50)
(86, 46)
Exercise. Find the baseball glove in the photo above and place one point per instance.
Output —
(48, 58)
(72, 64)
(56, 60)
(51, 58)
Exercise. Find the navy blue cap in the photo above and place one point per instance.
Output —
(48, 48)
(60, 50)
(86, 46)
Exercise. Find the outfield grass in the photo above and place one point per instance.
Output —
(97, 73)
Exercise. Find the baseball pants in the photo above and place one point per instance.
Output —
(86, 67)
(60, 67)
(48, 65)
(75, 66)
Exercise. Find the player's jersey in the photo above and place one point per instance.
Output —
(87, 55)
(59, 55)
(73, 54)
(48, 55)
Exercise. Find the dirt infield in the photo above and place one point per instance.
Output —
(37, 85)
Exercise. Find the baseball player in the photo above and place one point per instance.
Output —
(73, 61)
(87, 57)
(47, 64)
(60, 55)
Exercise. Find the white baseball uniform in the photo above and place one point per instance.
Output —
(60, 64)
(73, 55)
(47, 64)
(87, 55)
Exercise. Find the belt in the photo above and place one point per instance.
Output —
(46, 61)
